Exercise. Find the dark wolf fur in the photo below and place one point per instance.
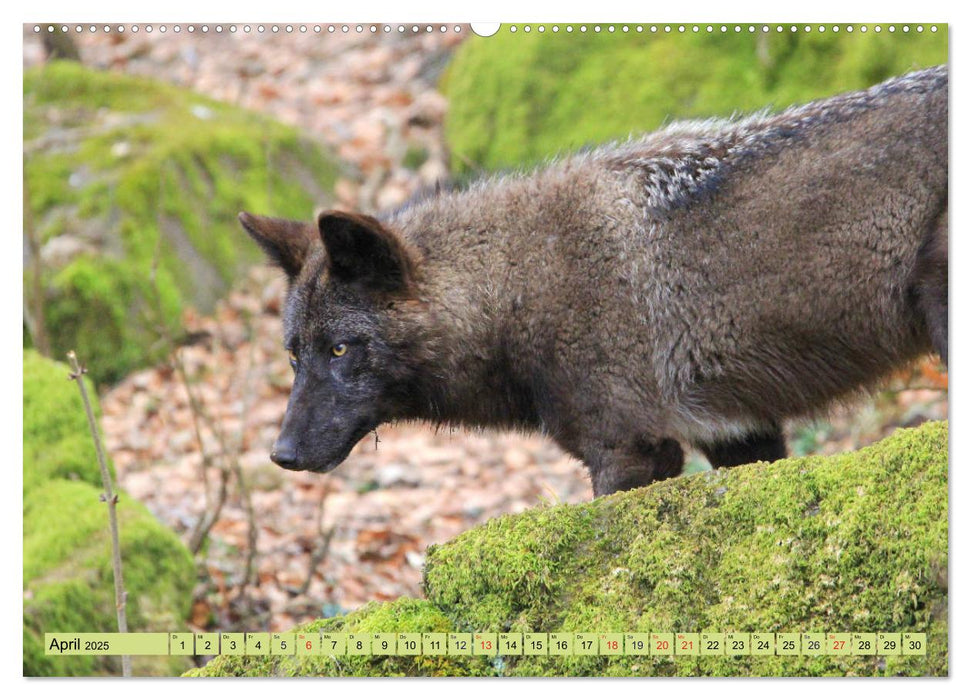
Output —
(698, 285)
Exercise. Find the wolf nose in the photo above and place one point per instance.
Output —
(284, 453)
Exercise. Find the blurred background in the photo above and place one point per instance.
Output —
(140, 147)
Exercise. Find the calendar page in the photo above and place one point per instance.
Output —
(485, 350)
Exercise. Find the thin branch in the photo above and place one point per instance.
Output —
(34, 307)
(212, 509)
(227, 459)
(229, 464)
(109, 497)
(323, 545)
(249, 575)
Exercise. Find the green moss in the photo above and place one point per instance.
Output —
(67, 576)
(61, 605)
(516, 99)
(57, 440)
(68, 579)
(111, 314)
(856, 542)
(851, 543)
(403, 615)
(155, 175)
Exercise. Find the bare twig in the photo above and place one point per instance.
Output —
(323, 545)
(229, 464)
(249, 575)
(213, 508)
(226, 457)
(252, 532)
(34, 306)
(109, 497)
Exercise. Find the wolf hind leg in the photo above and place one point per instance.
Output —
(766, 445)
(930, 285)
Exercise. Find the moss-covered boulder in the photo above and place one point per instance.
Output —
(851, 543)
(518, 98)
(402, 615)
(67, 577)
(131, 193)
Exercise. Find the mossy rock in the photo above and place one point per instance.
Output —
(851, 543)
(132, 189)
(402, 615)
(68, 579)
(57, 439)
(67, 576)
(516, 99)
(69, 584)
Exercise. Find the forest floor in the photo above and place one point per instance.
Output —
(289, 547)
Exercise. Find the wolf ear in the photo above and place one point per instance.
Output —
(361, 250)
(285, 242)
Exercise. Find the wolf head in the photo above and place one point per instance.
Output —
(352, 281)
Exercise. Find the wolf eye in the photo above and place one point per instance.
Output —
(293, 358)
(338, 350)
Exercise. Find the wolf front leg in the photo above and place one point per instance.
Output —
(637, 463)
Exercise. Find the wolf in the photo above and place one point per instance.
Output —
(695, 286)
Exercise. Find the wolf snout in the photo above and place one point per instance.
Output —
(285, 453)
